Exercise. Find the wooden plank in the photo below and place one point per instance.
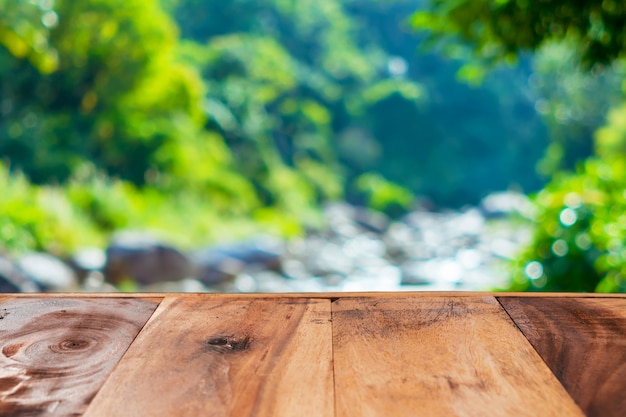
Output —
(583, 341)
(226, 357)
(438, 356)
(56, 353)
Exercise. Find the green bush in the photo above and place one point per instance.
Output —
(384, 195)
(40, 218)
(580, 240)
(91, 206)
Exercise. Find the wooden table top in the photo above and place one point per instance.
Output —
(385, 354)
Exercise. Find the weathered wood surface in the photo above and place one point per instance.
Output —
(379, 354)
(438, 356)
(226, 357)
(56, 353)
(583, 341)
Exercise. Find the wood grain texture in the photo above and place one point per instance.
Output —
(226, 357)
(56, 353)
(583, 341)
(438, 356)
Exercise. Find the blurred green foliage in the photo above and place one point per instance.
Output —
(500, 29)
(91, 205)
(32, 217)
(209, 120)
(383, 195)
(579, 242)
(572, 107)
(259, 106)
(120, 100)
(115, 97)
(25, 30)
(335, 89)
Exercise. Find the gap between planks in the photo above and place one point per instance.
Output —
(332, 296)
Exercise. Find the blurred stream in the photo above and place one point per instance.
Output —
(362, 250)
(358, 250)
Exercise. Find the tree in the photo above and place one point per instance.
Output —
(572, 102)
(280, 77)
(501, 29)
(335, 91)
(578, 243)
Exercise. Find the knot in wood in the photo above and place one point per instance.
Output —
(227, 343)
(71, 345)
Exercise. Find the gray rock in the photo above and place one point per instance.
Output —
(370, 220)
(347, 220)
(94, 282)
(217, 264)
(90, 259)
(360, 250)
(87, 260)
(7, 286)
(144, 259)
(48, 272)
(412, 274)
(503, 204)
(188, 285)
(12, 280)
(213, 268)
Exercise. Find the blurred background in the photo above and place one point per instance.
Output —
(312, 145)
